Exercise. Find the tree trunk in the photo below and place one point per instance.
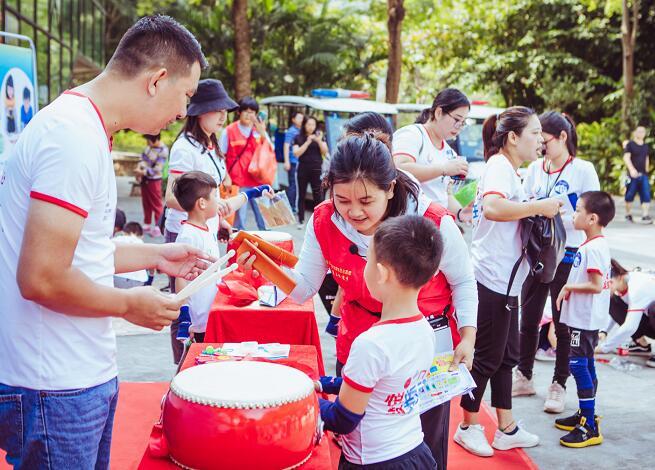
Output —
(242, 71)
(629, 24)
(395, 15)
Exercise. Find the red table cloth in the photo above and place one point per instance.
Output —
(288, 323)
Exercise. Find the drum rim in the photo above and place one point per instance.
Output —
(244, 405)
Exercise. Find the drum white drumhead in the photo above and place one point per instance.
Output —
(242, 384)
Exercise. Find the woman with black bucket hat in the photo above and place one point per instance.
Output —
(196, 149)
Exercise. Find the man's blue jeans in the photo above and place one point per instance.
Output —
(292, 189)
(241, 214)
(42, 429)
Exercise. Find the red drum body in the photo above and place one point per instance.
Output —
(281, 239)
(241, 415)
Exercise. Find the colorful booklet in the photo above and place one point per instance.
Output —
(439, 385)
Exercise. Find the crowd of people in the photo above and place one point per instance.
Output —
(409, 287)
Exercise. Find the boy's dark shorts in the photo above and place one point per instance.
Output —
(583, 342)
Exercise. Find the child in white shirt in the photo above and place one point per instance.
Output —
(132, 232)
(197, 193)
(584, 303)
(377, 411)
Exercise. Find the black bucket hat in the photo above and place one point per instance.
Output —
(210, 96)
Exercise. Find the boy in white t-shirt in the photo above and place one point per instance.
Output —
(132, 233)
(197, 193)
(377, 411)
(584, 304)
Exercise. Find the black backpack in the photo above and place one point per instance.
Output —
(543, 242)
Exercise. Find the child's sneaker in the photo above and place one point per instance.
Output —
(556, 400)
(570, 422)
(546, 355)
(521, 438)
(473, 440)
(582, 435)
(647, 220)
(636, 349)
(155, 232)
(522, 386)
(650, 362)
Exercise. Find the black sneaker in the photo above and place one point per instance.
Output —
(582, 435)
(637, 349)
(570, 422)
(650, 362)
(646, 220)
(628, 218)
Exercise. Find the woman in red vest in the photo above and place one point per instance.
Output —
(366, 188)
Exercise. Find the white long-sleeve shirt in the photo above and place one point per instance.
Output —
(640, 293)
(455, 263)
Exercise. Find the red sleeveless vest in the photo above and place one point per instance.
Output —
(238, 169)
(359, 311)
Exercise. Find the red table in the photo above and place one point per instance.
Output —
(305, 356)
(288, 323)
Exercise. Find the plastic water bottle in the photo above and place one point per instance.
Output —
(623, 365)
(184, 323)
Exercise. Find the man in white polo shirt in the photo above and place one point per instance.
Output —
(58, 385)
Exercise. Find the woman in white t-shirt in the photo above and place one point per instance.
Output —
(560, 174)
(196, 149)
(510, 139)
(632, 307)
(421, 148)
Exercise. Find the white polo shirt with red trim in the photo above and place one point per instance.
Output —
(63, 158)
(414, 142)
(496, 246)
(200, 303)
(588, 311)
(189, 155)
(388, 361)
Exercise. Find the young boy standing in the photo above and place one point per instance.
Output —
(197, 194)
(377, 411)
(584, 303)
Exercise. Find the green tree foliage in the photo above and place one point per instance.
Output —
(547, 54)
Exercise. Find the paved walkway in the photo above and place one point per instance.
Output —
(625, 398)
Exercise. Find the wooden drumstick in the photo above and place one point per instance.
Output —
(210, 270)
(198, 284)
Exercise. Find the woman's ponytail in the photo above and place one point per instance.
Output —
(488, 131)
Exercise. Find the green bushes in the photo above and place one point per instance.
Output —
(601, 143)
(128, 141)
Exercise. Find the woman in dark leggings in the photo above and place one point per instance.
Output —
(560, 175)
(309, 147)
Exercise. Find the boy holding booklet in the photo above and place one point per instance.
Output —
(377, 410)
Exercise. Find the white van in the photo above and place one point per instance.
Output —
(331, 113)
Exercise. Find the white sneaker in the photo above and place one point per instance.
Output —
(473, 440)
(521, 386)
(520, 438)
(546, 355)
(556, 400)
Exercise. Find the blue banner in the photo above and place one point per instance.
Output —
(18, 101)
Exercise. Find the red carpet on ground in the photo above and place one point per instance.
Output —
(139, 404)
(459, 459)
